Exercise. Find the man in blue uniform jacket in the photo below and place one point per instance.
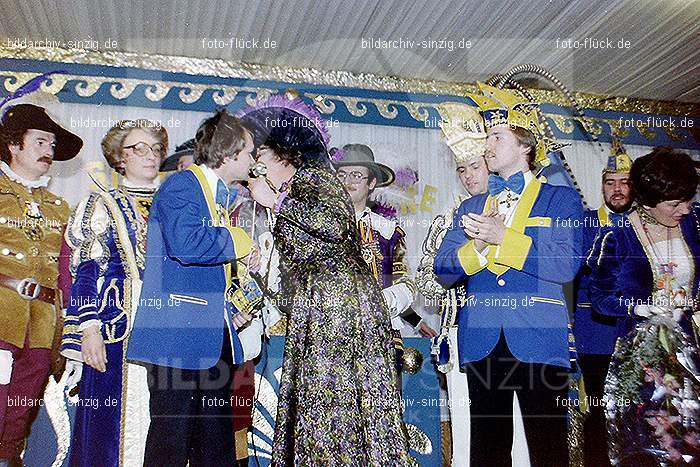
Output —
(596, 333)
(185, 330)
(512, 249)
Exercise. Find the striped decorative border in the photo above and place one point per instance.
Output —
(138, 87)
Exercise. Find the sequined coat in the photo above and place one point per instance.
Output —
(29, 247)
(338, 399)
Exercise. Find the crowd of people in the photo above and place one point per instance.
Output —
(153, 295)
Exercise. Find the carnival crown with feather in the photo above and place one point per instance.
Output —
(618, 161)
(463, 129)
(503, 107)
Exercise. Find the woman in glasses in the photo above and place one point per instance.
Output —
(107, 236)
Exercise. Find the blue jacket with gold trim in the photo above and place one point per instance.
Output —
(181, 318)
(622, 276)
(595, 332)
(106, 262)
(519, 292)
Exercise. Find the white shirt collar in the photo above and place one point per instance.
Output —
(211, 178)
(152, 186)
(29, 184)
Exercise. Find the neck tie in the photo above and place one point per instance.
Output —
(225, 196)
(515, 183)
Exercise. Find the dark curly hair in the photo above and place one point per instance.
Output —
(663, 175)
(219, 136)
(9, 138)
(292, 136)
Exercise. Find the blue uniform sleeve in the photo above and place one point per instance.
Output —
(82, 308)
(607, 285)
(188, 235)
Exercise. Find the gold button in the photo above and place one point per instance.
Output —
(501, 282)
(34, 251)
(5, 251)
(19, 256)
(58, 202)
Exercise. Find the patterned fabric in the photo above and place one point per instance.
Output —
(107, 234)
(31, 224)
(338, 399)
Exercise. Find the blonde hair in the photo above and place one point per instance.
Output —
(113, 141)
(525, 137)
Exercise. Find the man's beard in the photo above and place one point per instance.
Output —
(621, 209)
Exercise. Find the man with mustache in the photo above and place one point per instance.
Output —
(596, 333)
(383, 241)
(32, 220)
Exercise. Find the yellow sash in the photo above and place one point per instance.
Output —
(216, 216)
(603, 217)
(520, 220)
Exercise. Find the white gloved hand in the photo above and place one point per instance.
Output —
(74, 370)
(646, 311)
(398, 297)
(390, 299)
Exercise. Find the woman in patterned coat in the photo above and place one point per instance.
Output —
(338, 403)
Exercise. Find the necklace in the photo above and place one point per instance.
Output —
(666, 268)
(645, 217)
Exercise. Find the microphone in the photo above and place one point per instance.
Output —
(259, 169)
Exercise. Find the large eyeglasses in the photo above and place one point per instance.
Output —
(142, 149)
(353, 177)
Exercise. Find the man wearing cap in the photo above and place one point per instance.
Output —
(32, 220)
(513, 249)
(383, 241)
(596, 333)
